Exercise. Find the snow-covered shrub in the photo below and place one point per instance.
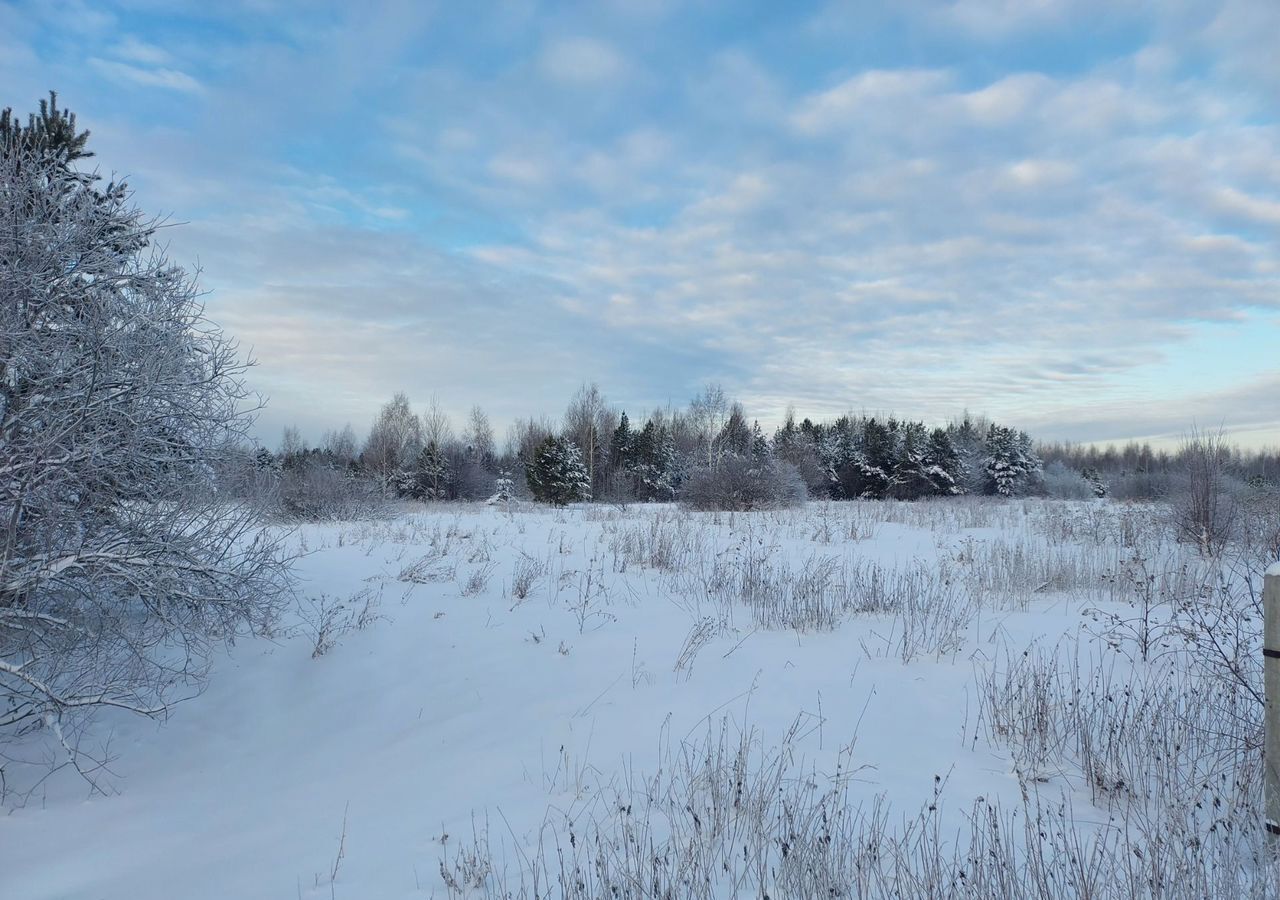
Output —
(1205, 510)
(1139, 485)
(1062, 483)
(318, 492)
(744, 483)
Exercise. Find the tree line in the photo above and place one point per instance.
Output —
(709, 453)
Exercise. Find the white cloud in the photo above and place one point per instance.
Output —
(582, 62)
(133, 50)
(991, 20)
(519, 168)
(170, 79)
(1257, 210)
(843, 105)
(1037, 173)
(911, 239)
(1007, 99)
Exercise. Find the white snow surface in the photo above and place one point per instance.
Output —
(447, 711)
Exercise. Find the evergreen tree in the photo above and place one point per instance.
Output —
(789, 435)
(968, 438)
(668, 472)
(1012, 466)
(944, 466)
(911, 477)
(1094, 477)
(558, 474)
(504, 488)
(759, 443)
(265, 461)
(642, 464)
(1031, 463)
(880, 443)
(735, 436)
(868, 451)
(621, 444)
(51, 133)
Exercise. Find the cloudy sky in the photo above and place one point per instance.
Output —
(1062, 213)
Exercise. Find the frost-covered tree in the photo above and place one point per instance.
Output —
(968, 436)
(651, 462)
(863, 455)
(120, 562)
(436, 427)
(760, 448)
(558, 474)
(708, 413)
(394, 441)
(341, 446)
(589, 423)
(292, 448)
(480, 437)
(795, 444)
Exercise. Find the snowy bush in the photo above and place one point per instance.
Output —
(1062, 483)
(744, 483)
(1140, 486)
(1205, 508)
(317, 492)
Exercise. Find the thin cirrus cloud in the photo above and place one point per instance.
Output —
(1066, 220)
(146, 76)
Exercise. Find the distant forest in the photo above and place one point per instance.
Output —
(598, 452)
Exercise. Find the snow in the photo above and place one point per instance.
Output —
(1274, 569)
(451, 712)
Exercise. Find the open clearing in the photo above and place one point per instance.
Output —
(513, 692)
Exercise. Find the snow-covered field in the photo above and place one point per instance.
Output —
(513, 691)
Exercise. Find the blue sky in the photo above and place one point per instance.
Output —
(1063, 214)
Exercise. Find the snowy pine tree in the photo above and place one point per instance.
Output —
(943, 464)
(911, 477)
(504, 489)
(1094, 477)
(1012, 467)
(621, 444)
(558, 474)
(266, 461)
